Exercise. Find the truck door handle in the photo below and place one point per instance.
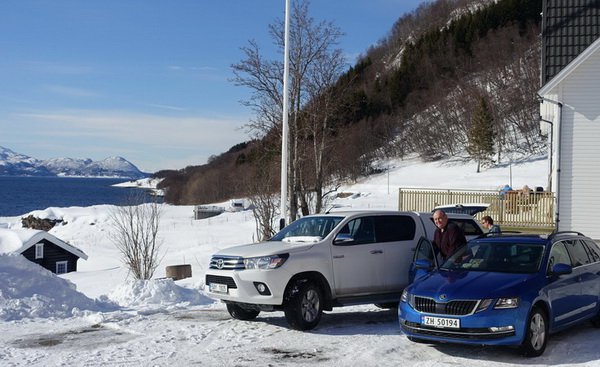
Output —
(373, 252)
(338, 256)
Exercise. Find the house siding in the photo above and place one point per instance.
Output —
(52, 254)
(579, 189)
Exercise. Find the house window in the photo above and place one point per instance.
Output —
(39, 250)
(61, 267)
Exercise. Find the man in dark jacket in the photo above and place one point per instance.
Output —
(488, 223)
(448, 236)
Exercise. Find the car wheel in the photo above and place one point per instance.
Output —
(303, 305)
(536, 336)
(238, 312)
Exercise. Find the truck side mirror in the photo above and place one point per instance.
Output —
(343, 239)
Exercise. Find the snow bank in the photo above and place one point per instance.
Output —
(153, 294)
(28, 291)
(9, 241)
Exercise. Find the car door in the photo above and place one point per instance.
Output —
(423, 251)
(563, 290)
(587, 277)
(358, 261)
(592, 286)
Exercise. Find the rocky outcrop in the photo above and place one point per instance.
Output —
(39, 223)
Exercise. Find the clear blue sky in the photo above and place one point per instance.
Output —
(145, 79)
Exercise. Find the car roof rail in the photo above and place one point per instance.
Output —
(498, 234)
(554, 234)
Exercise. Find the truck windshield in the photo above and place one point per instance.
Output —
(308, 227)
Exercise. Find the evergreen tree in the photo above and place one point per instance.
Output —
(481, 134)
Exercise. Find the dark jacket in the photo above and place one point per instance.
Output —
(449, 240)
(495, 229)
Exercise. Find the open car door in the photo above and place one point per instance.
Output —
(424, 260)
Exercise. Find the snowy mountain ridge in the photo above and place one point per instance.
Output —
(16, 164)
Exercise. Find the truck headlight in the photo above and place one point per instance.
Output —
(265, 262)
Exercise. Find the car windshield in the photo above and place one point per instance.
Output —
(501, 257)
(308, 229)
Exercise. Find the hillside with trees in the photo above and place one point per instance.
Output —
(452, 78)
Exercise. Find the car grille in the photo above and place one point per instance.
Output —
(227, 263)
(220, 280)
(454, 308)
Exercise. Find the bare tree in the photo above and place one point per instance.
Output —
(265, 204)
(265, 207)
(311, 44)
(512, 78)
(135, 233)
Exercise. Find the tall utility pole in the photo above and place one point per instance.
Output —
(284, 125)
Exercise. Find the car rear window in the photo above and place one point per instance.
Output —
(469, 226)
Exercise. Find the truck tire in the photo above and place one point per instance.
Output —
(238, 312)
(303, 305)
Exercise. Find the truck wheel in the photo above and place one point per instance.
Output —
(304, 305)
(238, 312)
(536, 336)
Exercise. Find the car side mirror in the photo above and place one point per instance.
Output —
(562, 269)
(343, 239)
(423, 264)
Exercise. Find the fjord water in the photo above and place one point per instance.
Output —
(21, 195)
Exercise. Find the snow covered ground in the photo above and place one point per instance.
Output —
(99, 316)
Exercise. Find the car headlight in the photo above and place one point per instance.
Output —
(504, 303)
(265, 262)
(404, 297)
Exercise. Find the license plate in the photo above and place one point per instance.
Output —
(440, 322)
(217, 288)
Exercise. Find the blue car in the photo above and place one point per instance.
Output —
(503, 290)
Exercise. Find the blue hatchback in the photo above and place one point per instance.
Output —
(503, 290)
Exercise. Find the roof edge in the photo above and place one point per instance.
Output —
(562, 75)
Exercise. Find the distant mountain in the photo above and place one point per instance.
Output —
(15, 164)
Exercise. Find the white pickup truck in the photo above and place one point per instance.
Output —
(323, 261)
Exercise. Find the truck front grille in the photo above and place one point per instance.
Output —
(227, 263)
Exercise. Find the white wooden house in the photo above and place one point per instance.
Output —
(570, 111)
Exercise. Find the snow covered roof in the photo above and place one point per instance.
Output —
(19, 240)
